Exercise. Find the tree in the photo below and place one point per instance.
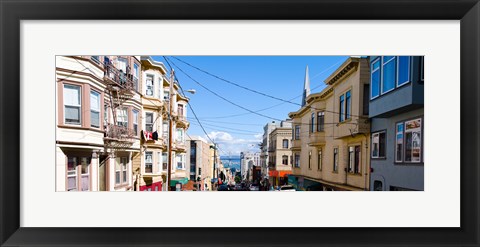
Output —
(238, 179)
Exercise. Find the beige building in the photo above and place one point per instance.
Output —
(280, 154)
(150, 166)
(331, 132)
(97, 133)
(200, 162)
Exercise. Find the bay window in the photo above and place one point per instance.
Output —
(180, 161)
(149, 85)
(297, 160)
(388, 73)
(375, 79)
(95, 109)
(348, 105)
(403, 70)
(388, 69)
(312, 123)
(149, 121)
(135, 121)
(342, 108)
(180, 135)
(136, 75)
(297, 132)
(73, 104)
(320, 121)
(148, 162)
(122, 117)
(164, 161)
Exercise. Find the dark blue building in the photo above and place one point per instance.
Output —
(397, 122)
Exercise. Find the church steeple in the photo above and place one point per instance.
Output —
(306, 89)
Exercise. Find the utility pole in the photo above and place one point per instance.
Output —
(170, 130)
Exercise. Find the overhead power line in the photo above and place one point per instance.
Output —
(246, 88)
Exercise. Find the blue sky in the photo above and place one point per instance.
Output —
(233, 128)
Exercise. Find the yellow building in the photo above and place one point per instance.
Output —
(150, 166)
(280, 154)
(331, 132)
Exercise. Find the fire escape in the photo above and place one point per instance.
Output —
(120, 88)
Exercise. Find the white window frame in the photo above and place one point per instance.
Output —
(136, 75)
(180, 159)
(382, 71)
(123, 171)
(135, 114)
(92, 110)
(398, 83)
(147, 161)
(377, 135)
(181, 137)
(79, 105)
(159, 162)
(148, 124)
(152, 87)
(379, 59)
(121, 116)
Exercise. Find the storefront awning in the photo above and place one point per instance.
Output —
(182, 181)
(276, 173)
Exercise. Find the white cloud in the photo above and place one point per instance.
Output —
(233, 146)
(259, 136)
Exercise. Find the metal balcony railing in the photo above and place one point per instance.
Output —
(119, 133)
(119, 77)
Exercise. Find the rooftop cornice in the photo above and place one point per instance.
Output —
(351, 64)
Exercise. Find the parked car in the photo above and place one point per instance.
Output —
(287, 188)
(223, 187)
(254, 187)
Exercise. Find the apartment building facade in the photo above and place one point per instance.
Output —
(280, 154)
(330, 132)
(200, 162)
(151, 166)
(248, 161)
(96, 136)
(397, 123)
(267, 129)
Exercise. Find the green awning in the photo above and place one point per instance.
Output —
(182, 181)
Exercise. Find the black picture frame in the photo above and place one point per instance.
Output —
(13, 11)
